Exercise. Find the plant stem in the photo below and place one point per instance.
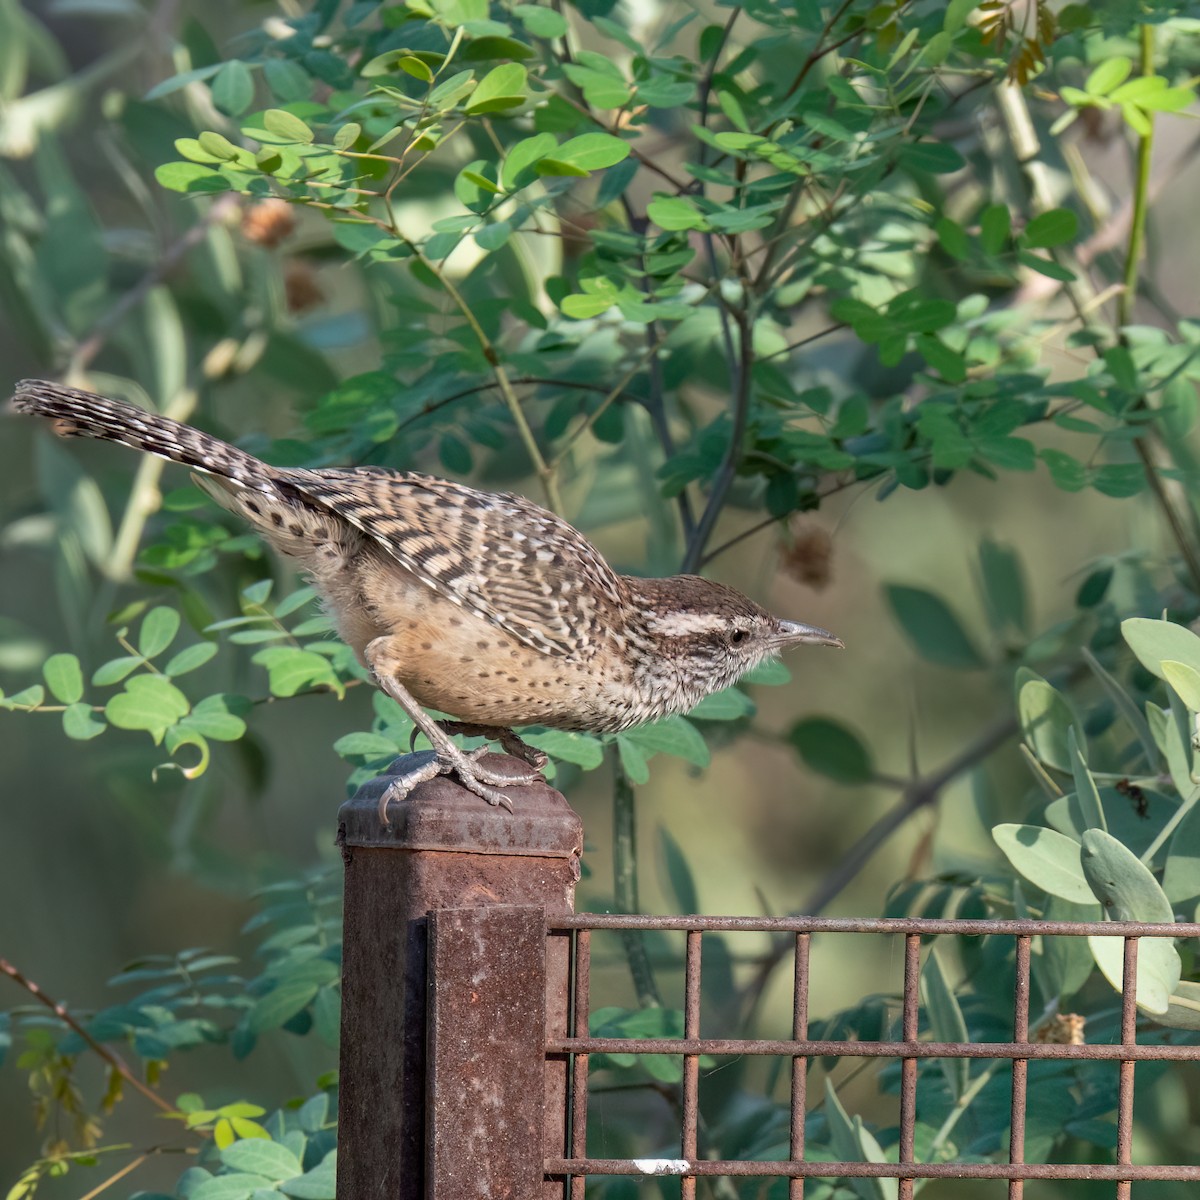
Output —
(113, 1059)
(544, 471)
(625, 886)
(726, 473)
(1141, 192)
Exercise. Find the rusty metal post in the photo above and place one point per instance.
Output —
(444, 849)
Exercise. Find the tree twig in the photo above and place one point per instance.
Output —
(111, 1057)
(96, 338)
(917, 795)
(727, 472)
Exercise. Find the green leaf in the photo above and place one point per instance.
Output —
(1086, 792)
(1046, 719)
(995, 226)
(30, 697)
(238, 1186)
(366, 745)
(416, 67)
(1049, 860)
(218, 717)
(953, 238)
(1108, 76)
(932, 627)
(518, 164)
(1129, 892)
(233, 88)
(190, 177)
(1125, 705)
(602, 89)
(345, 137)
(327, 1015)
(1156, 641)
(678, 873)
(502, 87)
(946, 1022)
(217, 147)
(1183, 1012)
(853, 1142)
(80, 723)
(318, 1184)
(149, 702)
(290, 669)
(1169, 738)
(1184, 681)
(288, 80)
(280, 1005)
(729, 704)
(269, 1159)
(1067, 472)
(936, 158)
(1181, 876)
(1045, 266)
(116, 669)
(831, 749)
(592, 151)
(1120, 479)
(175, 83)
(64, 677)
(1004, 589)
(287, 127)
(769, 674)
(1053, 228)
(633, 761)
(674, 213)
(582, 749)
(671, 735)
(159, 627)
(1067, 961)
(190, 658)
(540, 20)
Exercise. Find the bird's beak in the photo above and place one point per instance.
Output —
(792, 633)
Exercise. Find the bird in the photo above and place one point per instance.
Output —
(480, 605)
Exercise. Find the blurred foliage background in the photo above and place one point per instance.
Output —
(881, 312)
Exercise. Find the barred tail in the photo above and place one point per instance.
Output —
(84, 414)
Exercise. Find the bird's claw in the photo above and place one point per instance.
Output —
(464, 766)
(510, 743)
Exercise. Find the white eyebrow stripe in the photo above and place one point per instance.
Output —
(687, 624)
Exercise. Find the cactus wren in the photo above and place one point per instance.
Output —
(480, 605)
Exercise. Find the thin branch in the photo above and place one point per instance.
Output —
(820, 50)
(520, 381)
(726, 473)
(918, 794)
(111, 1057)
(625, 885)
(1141, 193)
(544, 471)
(171, 257)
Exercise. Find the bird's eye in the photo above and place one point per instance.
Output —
(738, 635)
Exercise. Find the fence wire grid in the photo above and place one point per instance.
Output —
(908, 1050)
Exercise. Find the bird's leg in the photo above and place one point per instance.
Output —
(384, 662)
(509, 742)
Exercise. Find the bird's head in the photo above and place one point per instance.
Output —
(707, 635)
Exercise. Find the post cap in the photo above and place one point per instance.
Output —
(441, 814)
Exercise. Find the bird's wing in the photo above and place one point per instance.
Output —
(497, 555)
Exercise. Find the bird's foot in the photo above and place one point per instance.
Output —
(509, 742)
(464, 766)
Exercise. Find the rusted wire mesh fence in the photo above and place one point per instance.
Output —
(909, 1049)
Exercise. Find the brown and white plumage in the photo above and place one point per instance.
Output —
(482, 605)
